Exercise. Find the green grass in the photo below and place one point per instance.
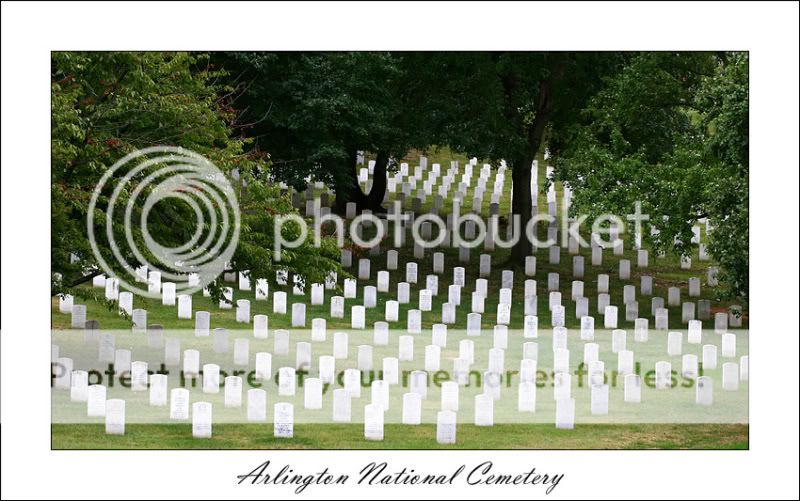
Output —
(350, 436)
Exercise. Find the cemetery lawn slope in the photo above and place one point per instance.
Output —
(351, 436)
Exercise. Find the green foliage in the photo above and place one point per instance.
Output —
(669, 130)
(106, 105)
(312, 111)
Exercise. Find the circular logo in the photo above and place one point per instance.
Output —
(136, 184)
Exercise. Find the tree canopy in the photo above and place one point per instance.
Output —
(106, 105)
(668, 129)
(671, 131)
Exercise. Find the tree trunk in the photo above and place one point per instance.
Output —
(521, 173)
(347, 188)
(521, 206)
(374, 201)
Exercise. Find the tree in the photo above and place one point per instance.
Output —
(670, 130)
(314, 111)
(502, 105)
(108, 104)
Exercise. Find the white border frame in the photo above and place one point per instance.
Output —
(30, 31)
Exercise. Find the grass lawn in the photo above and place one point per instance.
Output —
(351, 436)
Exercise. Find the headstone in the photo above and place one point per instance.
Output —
(704, 391)
(179, 404)
(744, 368)
(448, 313)
(405, 348)
(561, 360)
(263, 369)
(96, 400)
(663, 373)
(689, 367)
(577, 266)
(449, 396)
(602, 283)
(477, 303)
(709, 357)
(283, 420)
(610, 317)
(380, 336)
(373, 422)
(674, 296)
(633, 388)
(226, 301)
(674, 343)
(530, 266)
(392, 311)
(79, 386)
(168, 293)
(484, 406)
(704, 309)
(65, 302)
(317, 294)
(279, 302)
(312, 396)
(641, 258)
(191, 363)
(139, 318)
(565, 413)
(280, 343)
(599, 399)
(220, 341)
(115, 416)
(107, 348)
(379, 393)
(432, 358)
(720, 322)
(298, 315)
(262, 289)
(341, 347)
(78, 320)
(383, 281)
(122, 361)
(341, 406)
(662, 319)
(233, 392)
(526, 396)
(728, 345)
(350, 288)
(624, 269)
(357, 317)
(363, 269)
(412, 408)
(287, 382)
(256, 405)
(139, 376)
(687, 312)
(646, 286)
(552, 281)
(210, 378)
(446, 427)
(337, 307)
(507, 279)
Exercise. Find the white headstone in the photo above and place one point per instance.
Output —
(373, 422)
(283, 420)
(446, 427)
(179, 404)
(115, 416)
